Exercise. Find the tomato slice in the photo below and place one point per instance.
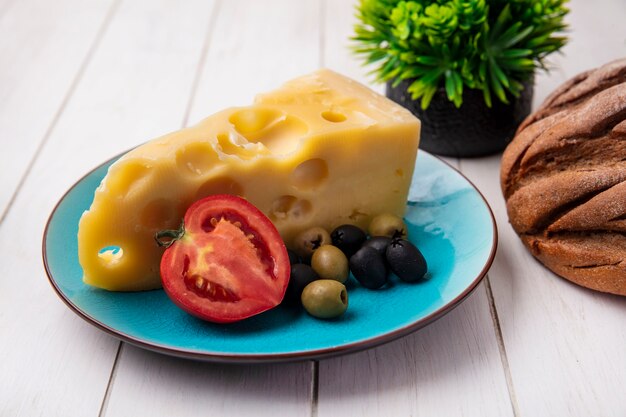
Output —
(229, 264)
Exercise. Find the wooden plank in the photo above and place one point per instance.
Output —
(136, 86)
(149, 384)
(452, 367)
(42, 59)
(338, 21)
(5, 5)
(597, 36)
(564, 344)
(243, 58)
(255, 48)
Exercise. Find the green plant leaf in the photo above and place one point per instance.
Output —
(487, 95)
(498, 90)
(491, 45)
(482, 71)
(458, 84)
(412, 72)
(450, 87)
(495, 69)
(428, 96)
(516, 53)
(500, 23)
(516, 87)
(417, 89)
(513, 36)
(375, 56)
(433, 76)
(517, 64)
(427, 60)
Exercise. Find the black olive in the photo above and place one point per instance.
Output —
(406, 261)
(348, 238)
(301, 276)
(368, 267)
(379, 243)
(293, 257)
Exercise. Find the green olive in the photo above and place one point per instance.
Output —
(389, 225)
(330, 263)
(325, 298)
(308, 241)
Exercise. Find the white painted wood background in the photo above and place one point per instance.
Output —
(82, 80)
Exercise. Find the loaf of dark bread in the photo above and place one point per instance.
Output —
(564, 180)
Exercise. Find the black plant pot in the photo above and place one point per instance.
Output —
(471, 130)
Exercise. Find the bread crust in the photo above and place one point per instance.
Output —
(563, 177)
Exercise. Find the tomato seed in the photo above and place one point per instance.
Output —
(199, 283)
(206, 289)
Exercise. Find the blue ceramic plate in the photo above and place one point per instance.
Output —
(448, 219)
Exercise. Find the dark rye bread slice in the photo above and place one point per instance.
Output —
(564, 180)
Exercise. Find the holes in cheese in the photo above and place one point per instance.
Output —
(288, 207)
(310, 174)
(111, 255)
(219, 185)
(228, 145)
(301, 209)
(196, 158)
(272, 128)
(128, 177)
(281, 206)
(333, 116)
(250, 121)
(279, 137)
(357, 215)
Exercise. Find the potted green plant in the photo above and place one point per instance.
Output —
(464, 67)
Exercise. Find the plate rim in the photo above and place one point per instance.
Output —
(296, 356)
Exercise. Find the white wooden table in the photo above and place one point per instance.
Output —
(82, 80)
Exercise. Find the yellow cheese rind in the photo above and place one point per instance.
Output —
(322, 150)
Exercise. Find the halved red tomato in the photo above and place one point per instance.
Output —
(228, 261)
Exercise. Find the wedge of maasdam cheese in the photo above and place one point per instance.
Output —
(322, 150)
